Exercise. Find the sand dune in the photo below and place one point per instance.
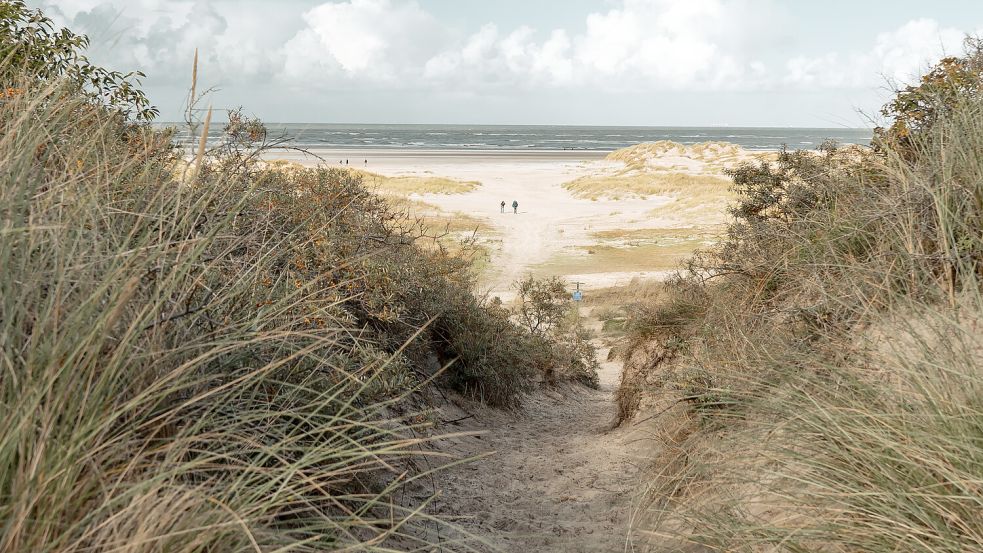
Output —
(700, 158)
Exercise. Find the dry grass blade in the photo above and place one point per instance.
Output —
(194, 84)
(202, 144)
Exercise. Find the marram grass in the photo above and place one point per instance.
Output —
(166, 382)
(818, 374)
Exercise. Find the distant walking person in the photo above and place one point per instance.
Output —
(515, 206)
(503, 206)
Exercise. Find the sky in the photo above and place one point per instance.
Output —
(553, 62)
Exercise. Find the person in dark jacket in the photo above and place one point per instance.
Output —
(515, 206)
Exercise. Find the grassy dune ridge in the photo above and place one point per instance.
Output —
(648, 184)
(406, 185)
(693, 174)
(394, 185)
(817, 375)
(226, 357)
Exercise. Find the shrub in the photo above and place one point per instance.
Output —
(545, 309)
(825, 355)
(31, 48)
(918, 108)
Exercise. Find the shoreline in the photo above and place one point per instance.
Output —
(329, 155)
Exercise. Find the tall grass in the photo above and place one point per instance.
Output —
(170, 381)
(818, 375)
(413, 184)
(691, 188)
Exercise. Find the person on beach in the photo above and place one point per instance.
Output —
(503, 206)
(515, 206)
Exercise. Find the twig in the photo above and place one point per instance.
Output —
(660, 413)
(458, 419)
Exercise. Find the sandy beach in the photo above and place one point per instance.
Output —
(598, 241)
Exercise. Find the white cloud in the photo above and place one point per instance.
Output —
(900, 56)
(641, 44)
(635, 46)
(160, 37)
(490, 59)
(375, 40)
(671, 44)
(905, 53)
(638, 45)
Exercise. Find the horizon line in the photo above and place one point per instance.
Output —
(350, 124)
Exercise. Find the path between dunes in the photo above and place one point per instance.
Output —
(554, 477)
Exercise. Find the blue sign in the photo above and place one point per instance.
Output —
(577, 296)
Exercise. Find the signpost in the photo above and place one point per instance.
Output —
(577, 294)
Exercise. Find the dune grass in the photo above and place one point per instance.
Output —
(816, 376)
(604, 258)
(413, 184)
(617, 250)
(620, 296)
(642, 184)
(397, 186)
(224, 357)
(169, 383)
(658, 234)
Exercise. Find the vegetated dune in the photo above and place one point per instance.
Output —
(704, 157)
(646, 183)
(694, 173)
(396, 192)
(692, 176)
(406, 185)
(455, 232)
(394, 185)
(817, 376)
(224, 355)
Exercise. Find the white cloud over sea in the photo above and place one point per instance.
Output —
(379, 46)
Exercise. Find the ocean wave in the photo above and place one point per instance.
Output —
(525, 137)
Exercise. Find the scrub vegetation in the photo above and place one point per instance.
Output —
(406, 185)
(817, 374)
(216, 355)
(647, 183)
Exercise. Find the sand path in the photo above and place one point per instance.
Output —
(554, 477)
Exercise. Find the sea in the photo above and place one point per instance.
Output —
(540, 137)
